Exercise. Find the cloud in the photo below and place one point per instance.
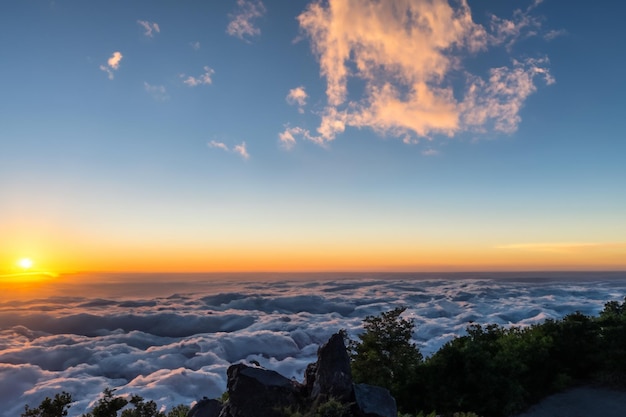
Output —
(430, 152)
(157, 92)
(241, 150)
(297, 96)
(176, 347)
(405, 55)
(203, 79)
(219, 145)
(150, 27)
(565, 247)
(113, 64)
(241, 24)
(195, 45)
(238, 149)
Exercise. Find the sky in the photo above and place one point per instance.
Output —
(339, 135)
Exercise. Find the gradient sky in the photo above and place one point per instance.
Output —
(296, 135)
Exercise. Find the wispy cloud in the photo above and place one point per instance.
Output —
(297, 96)
(219, 145)
(240, 149)
(241, 22)
(195, 45)
(113, 64)
(158, 92)
(404, 54)
(202, 79)
(149, 27)
(430, 152)
(565, 247)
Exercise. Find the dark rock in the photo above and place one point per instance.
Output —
(205, 408)
(333, 377)
(374, 401)
(259, 392)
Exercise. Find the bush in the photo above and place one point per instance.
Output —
(56, 407)
(385, 356)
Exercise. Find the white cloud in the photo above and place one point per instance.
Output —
(241, 150)
(157, 92)
(203, 79)
(430, 152)
(166, 348)
(149, 27)
(113, 64)
(405, 53)
(219, 145)
(241, 22)
(297, 96)
(195, 45)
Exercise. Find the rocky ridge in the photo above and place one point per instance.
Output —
(257, 392)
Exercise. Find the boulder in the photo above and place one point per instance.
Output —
(333, 377)
(373, 401)
(205, 408)
(259, 392)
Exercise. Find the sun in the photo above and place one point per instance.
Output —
(25, 263)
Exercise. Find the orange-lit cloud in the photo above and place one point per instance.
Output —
(297, 96)
(113, 64)
(241, 22)
(203, 79)
(405, 53)
(149, 27)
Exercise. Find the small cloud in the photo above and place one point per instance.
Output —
(238, 149)
(553, 34)
(204, 78)
(240, 24)
(430, 152)
(195, 45)
(219, 145)
(241, 150)
(297, 96)
(157, 92)
(150, 28)
(113, 64)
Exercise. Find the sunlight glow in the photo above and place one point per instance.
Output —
(25, 263)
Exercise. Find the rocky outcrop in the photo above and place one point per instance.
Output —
(205, 408)
(258, 392)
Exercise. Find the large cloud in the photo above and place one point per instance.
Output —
(407, 56)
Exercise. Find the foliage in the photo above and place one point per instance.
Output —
(332, 408)
(385, 356)
(142, 408)
(56, 407)
(180, 410)
(108, 405)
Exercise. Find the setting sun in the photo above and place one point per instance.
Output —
(25, 263)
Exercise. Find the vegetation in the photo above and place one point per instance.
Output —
(491, 371)
(385, 356)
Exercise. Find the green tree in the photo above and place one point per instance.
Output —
(385, 356)
(142, 408)
(56, 407)
(108, 405)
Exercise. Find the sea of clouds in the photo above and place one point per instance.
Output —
(171, 338)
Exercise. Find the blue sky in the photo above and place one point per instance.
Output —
(243, 135)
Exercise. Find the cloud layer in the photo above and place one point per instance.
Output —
(408, 60)
(174, 342)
